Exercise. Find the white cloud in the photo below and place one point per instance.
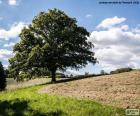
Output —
(117, 46)
(11, 44)
(109, 22)
(137, 29)
(125, 27)
(5, 66)
(0, 1)
(12, 2)
(13, 32)
(88, 15)
(73, 72)
(5, 54)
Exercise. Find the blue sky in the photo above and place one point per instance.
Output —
(123, 20)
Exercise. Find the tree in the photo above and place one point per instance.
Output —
(6, 72)
(102, 72)
(2, 78)
(86, 73)
(53, 40)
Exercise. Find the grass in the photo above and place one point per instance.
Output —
(28, 102)
(13, 84)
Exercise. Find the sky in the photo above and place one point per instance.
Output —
(114, 29)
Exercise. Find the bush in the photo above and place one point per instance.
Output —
(121, 70)
(2, 78)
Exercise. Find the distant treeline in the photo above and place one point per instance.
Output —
(121, 70)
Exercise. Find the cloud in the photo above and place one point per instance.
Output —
(12, 2)
(73, 72)
(5, 54)
(13, 32)
(88, 15)
(0, 1)
(109, 22)
(5, 66)
(11, 44)
(117, 46)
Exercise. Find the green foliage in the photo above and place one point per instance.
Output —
(6, 72)
(54, 41)
(121, 70)
(2, 78)
(40, 72)
(23, 76)
(29, 102)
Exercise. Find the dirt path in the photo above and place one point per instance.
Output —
(121, 90)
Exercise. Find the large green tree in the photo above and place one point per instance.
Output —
(2, 78)
(53, 40)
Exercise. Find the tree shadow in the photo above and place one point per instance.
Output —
(18, 107)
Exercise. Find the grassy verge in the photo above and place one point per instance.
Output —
(28, 102)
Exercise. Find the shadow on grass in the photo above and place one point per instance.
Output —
(20, 108)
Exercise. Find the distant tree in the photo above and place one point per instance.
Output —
(2, 78)
(86, 73)
(53, 40)
(102, 72)
(71, 75)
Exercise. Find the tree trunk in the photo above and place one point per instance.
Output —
(53, 75)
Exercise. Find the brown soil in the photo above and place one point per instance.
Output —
(121, 90)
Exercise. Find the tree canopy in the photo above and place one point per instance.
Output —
(54, 41)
